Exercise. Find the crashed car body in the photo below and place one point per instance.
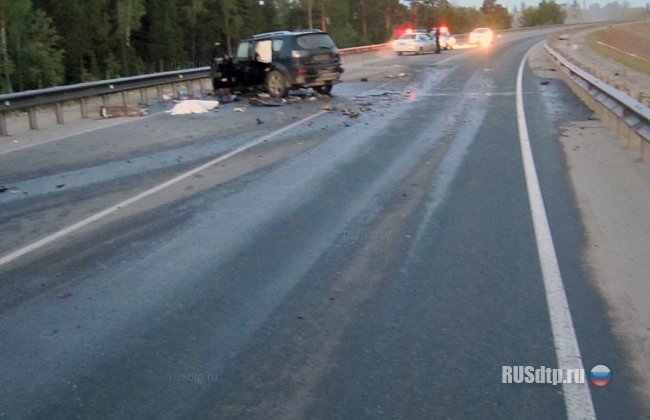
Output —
(280, 61)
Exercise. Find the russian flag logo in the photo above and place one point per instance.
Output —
(600, 375)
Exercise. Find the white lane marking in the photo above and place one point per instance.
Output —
(90, 130)
(110, 210)
(577, 397)
(622, 51)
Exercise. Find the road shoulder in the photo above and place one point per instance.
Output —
(613, 193)
(612, 188)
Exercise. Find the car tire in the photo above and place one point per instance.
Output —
(399, 53)
(323, 90)
(419, 51)
(276, 84)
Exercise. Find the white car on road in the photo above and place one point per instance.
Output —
(483, 36)
(417, 43)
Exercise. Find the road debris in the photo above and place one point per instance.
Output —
(182, 92)
(267, 102)
(351, 112)
(63, 294)
(259, 121)
(121, 111)
(60, 186)
(239, 109)
(364, 79)
(328, 107)
(226, 97)
(3, 189)
(193, 106)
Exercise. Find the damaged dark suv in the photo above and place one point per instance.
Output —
(280, 61)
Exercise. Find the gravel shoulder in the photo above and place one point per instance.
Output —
(612, 188)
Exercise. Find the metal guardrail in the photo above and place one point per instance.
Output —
(635, 114)
(29, 100)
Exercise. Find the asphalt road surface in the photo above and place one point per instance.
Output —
(296, 263)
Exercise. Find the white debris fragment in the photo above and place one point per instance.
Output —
(193, 106)
(121, 111)
(240, 110)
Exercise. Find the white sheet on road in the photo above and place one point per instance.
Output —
(193, 106)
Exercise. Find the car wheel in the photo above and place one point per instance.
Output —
(399, 53)
(276, 84)
(323, 90)
(419, 51)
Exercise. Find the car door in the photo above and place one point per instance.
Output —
(427, 42)
(242, 63)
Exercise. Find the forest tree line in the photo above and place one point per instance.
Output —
(53, 42)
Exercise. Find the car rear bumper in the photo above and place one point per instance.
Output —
(318, 77)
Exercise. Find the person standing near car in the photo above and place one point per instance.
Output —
(437, 36)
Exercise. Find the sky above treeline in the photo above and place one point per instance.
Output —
(510, 4)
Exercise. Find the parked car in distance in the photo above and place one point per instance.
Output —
(280, 61)
(482, 36)
(416, 42)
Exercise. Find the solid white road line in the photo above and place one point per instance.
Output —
(577, 397)
(89, 130)
(110, 210)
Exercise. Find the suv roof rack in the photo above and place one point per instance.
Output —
(271, 34)
(309, 30)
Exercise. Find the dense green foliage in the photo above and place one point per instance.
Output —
(547, 13)
(49, 42)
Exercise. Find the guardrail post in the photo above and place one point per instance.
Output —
(202, 87)
(190, 88)
(159, 93)
(125, 98)
(33, 124)
(84, 107)
(58, 110)
(105, 100)
(3, 125)
(143, 96)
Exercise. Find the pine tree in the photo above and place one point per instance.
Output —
(30, 55)
(128, 19)
(164, 37)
